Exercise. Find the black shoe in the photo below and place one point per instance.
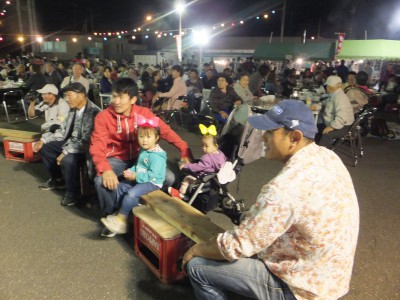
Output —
(69, 200)
(105, 232)
(52, 184)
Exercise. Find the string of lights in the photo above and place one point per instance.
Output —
(146, 31)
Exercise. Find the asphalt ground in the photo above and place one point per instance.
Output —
(52, 252)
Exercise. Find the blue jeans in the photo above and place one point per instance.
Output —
(128, 194)
(247, 277)
(108, 198)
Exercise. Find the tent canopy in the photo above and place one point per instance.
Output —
(307, 51)
(370, 49)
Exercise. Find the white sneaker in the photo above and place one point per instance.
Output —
(114, 224)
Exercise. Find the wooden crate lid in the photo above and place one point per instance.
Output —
(155, 222)
(16, 139)
(19, 133)
(188, 220)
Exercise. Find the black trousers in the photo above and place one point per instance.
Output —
(328, 139)
(70, 165)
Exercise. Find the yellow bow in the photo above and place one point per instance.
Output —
(212, 130)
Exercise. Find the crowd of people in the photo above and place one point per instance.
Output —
(297, 242)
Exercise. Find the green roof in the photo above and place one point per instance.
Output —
(307, 51)
(370, 49)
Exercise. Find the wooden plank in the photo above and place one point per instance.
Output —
(155, 221)
(188, 220)
(20, 133)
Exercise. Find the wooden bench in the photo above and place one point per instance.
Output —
(18, 144)
(188, 220)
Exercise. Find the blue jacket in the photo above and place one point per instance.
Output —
(151, 166)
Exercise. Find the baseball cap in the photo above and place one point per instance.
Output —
(333, 80)
(48, 88)
(75, 87)
(290, 114)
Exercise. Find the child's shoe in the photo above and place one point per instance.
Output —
(175, 193)
(114, 224)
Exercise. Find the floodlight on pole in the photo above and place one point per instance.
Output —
(179, 7)
(201, 38)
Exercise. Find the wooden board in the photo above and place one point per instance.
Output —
(188, 220)
(156, 222)
(20, 133)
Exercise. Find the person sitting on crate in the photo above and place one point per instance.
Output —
(222, 99)
(178, 89)
(147, 175)
(299, 239)
(55, 109)
(64, 151)
(211, 162)
(114, 145)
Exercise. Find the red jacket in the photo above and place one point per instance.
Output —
(115, 135)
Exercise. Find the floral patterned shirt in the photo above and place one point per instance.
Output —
(303, 226)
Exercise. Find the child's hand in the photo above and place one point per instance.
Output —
(129, 175)
(181, 164)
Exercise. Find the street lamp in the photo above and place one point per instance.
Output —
(179, 7)
(201, 38)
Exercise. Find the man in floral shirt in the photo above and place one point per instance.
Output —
(298, 240)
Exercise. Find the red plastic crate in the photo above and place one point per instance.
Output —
(159, 245)
(20, 149)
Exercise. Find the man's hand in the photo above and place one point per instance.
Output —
(237, 103)
(223, 114)
(38, 146)
(185, 160)
(59, 158)
(187, 257)
(327, 130)
(110, 180)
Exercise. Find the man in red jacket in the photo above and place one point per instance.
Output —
(114, 146)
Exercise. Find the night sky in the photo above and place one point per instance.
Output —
(316, 16)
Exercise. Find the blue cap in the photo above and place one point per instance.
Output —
(290, 114)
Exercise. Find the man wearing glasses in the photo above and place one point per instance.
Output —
(66, 148)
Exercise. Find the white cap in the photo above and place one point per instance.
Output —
(333, 81)
(49, 88)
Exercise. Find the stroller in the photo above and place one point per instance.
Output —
(241, 144)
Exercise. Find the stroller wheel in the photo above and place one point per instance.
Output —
(227, 204)
(238, 218)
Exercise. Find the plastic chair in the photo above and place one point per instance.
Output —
(353, 136)
(13, 101)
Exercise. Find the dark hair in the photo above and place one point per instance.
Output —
(36, 68)
(241, 75)
(194, 71)
(361, 78)
(107, 68)
(178, 69)
(126, 86)
(352, 73)
(263, 69)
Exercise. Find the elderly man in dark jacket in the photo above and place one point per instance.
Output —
(67, 147)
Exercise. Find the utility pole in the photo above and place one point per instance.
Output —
(353, 11)
(20, 27)
(283, 19)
